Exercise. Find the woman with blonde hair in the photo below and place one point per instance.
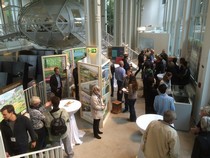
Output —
(97, 110)
(37, 117)
(202, 140)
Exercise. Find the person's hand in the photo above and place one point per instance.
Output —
(33, 144)
(7, 154)
(195, 130)
(48, 104)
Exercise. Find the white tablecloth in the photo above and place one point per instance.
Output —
(72, 108)
(142, 122)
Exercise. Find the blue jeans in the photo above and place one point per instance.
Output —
(132, 109)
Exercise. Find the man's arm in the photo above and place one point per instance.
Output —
(155, 104)
(172, 107)
(31, 131)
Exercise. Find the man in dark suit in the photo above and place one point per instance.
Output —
(76, 82)
(56, 83)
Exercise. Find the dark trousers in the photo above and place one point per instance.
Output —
(140, 67)
(132, 109)
(41, 142)
(58, 93)
(77, 92)
(119, 90)
(21, 149)
(112, 86)
(126, 102)
(96, 127)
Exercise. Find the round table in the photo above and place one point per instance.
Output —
(144, 120)
(72, 106)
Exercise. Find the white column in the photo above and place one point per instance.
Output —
(129, 22)
(118, 21)
(93, 26)
(103, 16)
(186, 23)
(135, 24)
(125, 15)
(176, 28)
(98, 29)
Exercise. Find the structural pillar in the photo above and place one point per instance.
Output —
(118, 21)
(93, 26)
(104, 17)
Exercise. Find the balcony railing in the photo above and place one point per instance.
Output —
(54, 152)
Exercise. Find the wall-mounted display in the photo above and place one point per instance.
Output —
(13, 94)
(116, 54)
(48, 65)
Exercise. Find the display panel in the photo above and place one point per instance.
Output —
(88, 75)
(79, 53)
(116, 54)
(74, 55)
(48, 64)
(13, 95)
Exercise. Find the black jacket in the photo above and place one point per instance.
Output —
(21, 127)
(54, 83)
(201, 148)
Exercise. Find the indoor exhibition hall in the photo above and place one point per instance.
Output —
(104, 79)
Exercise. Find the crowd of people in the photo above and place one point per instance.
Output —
(15, 127)
(159, 100)
(155, 89)
(160, 136)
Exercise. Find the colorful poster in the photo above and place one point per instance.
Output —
(14, 97)
(79, 53)
(88, 73)
(106, 100)
(49, 63)
(116, 53)
(105, 79)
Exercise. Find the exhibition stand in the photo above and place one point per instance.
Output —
(90, 74)
(48, 64)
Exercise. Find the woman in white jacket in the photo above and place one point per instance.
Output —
(97, 110)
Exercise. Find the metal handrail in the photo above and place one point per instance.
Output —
(37, 90)
(53, 152)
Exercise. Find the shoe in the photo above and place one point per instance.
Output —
(98, 137)
(125, 111)
(99, 132)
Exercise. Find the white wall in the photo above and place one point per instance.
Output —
(152, 13)
(160, 41)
